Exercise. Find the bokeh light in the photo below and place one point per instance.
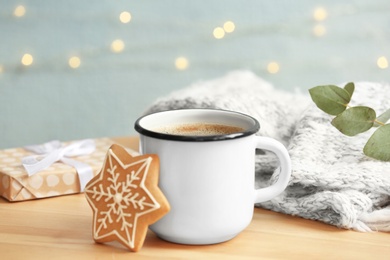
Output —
(117, 46)
(20, 11)
(382, 62)
(27, 59)
(229, 26)
(319, 30)
(125, 17)
(74, 62)
(181, 63)
(273, 67)
(219, 33)
(320, 14)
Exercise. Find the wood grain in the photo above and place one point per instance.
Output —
(61, 228)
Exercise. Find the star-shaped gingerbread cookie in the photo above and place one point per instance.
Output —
(125, 198)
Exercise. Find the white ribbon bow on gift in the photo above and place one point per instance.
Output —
(51, 152)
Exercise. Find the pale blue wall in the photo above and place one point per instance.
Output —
(48, 100)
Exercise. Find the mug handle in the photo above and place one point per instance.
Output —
(280, 185)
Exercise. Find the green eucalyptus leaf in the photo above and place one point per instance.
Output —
(350, 88)
(383, 118)
(330, 98)
(355, 120)
(378, 146)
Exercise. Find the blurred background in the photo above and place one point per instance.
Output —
(83, 69)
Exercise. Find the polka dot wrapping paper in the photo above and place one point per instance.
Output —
(58, 179)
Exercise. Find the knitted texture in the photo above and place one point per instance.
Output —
(332, 180)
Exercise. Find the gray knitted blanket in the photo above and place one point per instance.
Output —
(332, 180)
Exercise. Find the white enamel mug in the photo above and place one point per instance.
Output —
(208, 180)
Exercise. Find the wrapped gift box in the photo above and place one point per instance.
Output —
(57, 179)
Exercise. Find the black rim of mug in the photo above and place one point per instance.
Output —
(247, 132)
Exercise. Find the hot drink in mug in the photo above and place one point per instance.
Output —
(207, 171)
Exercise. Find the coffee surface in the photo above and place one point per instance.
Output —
(199, 129)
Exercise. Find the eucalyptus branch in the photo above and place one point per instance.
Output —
(379, 123)
(351, 120)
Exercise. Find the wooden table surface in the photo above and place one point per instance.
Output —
(61, 228)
